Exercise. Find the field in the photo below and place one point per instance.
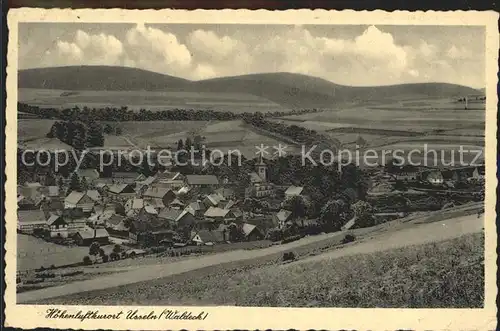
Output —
(433, 275)
(30, 129)
(235, 102)
(34, 253)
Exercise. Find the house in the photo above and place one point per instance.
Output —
(94, 195)
(176, 204)
(116, 226)
(24, 203)
(170, 180)
(203, 182)
(87, 236)
(196, 208)
(169, 214)
(143, 185)
(252, 232)
(293, 191)
(164, 194)
(31, 189)
(29, 221)
(213, 200)
(75, 218)
(185, 220)
(207, 237)
(149, 233)
(122, 190)
(435, 178)
(407, 173)
(134, 205)
(51, 191)
(52, 205)
(226, 193)
(215, 214)
(58, 227)
(282, 217)
(124, 177)
(155, 203)
(79, 200)
(477, 174)
(100, 218)
(90, 175)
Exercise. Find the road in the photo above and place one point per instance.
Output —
(416, 234)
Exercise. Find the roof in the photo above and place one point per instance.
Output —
(177, 202)
(237, 212)
(148, 181)
(32, 184)
(31, 216)
(255, 178)
(115, 219)
(283, 215)
(89, 233)
(215, 198)
(74, 197)
(225, 192)
(136, 203)
(155, 203)
(209, 236)
(88, 173)
(117, 188)
(197, 205)
(182, 214)
(53, 218)
(202, 180)
(52, 191)
(150, 210)
(94, 195)
(170, 214)
(157, 192)
(249, 228)
(294, 190)
(130, 174)
(168, 175)
(216, 212)
(183, 190)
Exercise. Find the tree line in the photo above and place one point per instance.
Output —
(77, 134)
(87, 114)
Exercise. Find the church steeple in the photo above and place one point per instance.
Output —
(261, 168)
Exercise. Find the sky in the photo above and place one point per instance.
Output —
(357, 55)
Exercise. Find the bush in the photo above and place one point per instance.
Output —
(45, 275)
(105, 258)
(114, 256)
(348, 238)
(72, 273)
(274, 234)
(101, 252)
(86, 260)
(288, 256)
(52, 267)
(290, 239)
(124, 255)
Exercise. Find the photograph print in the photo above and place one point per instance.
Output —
(256, 165)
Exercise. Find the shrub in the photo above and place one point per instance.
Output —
(86, 260)
(348, 238)
(288, 256)
(101, 252)
(105, 258)
(52, 267)
(124, 255)
(291, 238)
(274, 234)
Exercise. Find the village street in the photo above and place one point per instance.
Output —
(409, 234)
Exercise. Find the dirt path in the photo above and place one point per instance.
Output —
(415, 234)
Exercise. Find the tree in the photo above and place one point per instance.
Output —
(236, 233)
(145, 169)
(364, 214)
(83, 184)
(331, 214)
(188, 144)
(74, 184)
(149, 239)
(95, 135)
(108, 129)
(94, 249)
(60, 182)
(180, 145)
(298, 206)
(86, 260)
(118, 131)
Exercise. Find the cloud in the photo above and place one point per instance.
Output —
(458, 53)
(154, 49)
(98, 49)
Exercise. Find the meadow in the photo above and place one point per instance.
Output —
(235, 102)
(446, 274)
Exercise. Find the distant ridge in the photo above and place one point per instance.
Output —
(287, 89)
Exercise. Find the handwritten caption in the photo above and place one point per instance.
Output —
(167, 314)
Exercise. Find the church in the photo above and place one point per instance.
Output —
(259, 184)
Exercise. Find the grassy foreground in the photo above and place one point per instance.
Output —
(446, 274)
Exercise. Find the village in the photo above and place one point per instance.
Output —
(168, 209)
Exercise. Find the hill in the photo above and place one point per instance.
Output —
(287, 89)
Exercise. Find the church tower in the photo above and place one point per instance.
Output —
(261, 169)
